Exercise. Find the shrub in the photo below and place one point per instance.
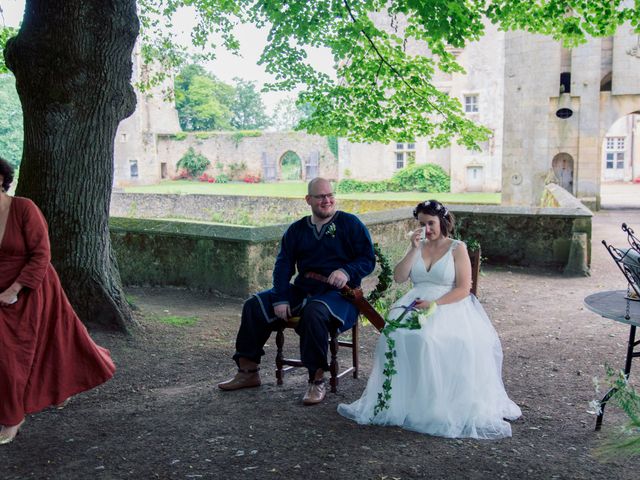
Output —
(426, 177)
(206, 178)
(357, 186)
(251, 178)
(222, 178)
(181, 175)
(237, 170)
(194, 163)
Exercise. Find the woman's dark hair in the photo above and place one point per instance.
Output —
(436, 209)
(6, 170)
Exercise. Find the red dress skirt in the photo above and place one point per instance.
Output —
(46, 353)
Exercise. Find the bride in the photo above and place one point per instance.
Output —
(448, 379)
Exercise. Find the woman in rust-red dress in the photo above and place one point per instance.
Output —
(46, 353)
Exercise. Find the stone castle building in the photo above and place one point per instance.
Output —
(565, 115)
(149, 145)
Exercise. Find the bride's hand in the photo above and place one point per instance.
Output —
(416, 236)
(422, 304)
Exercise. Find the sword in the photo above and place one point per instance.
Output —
(355, 296)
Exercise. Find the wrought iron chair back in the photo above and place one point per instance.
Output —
(628, 260)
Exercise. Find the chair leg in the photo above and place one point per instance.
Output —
(279, 356)
(355, 346)
(333, 365)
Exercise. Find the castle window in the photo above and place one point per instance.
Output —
(471, 103)
(405, 154)
(614, 155)
(133, 168)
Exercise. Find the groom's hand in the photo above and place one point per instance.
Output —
(337, 279)
(282, 311)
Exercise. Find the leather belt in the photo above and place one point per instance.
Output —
(355, 296)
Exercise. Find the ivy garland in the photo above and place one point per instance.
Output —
(385, 276)
(389, 368)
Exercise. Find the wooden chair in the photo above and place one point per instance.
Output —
(475, 257)
(285, 364)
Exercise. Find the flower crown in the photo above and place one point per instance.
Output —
(440, 209)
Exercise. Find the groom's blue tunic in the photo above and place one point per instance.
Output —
(343, 243)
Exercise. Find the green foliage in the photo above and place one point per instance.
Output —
(177, 320)
(288, 114)
(382, 92)
(5, 34)
(248, 108)
(385, 276)
(408, 320)
(425, 177)
(332, 141)
(240, 134)
(194, 163)
(237, 170)
(203, 102)
(11, 135)
(357, 186)
(204, 135)
(179, 136)
(222, 178)
(626, 441)
(291, 166)
(472, 243)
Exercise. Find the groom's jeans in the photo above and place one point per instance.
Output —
(313, 330)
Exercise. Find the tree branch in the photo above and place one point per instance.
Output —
(383, 60)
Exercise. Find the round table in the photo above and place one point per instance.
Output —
(614, 305)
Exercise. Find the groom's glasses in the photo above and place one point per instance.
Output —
(327, 196)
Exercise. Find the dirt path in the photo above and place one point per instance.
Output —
(162, 417)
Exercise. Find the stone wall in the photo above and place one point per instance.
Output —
(238, 260)
(228, 150)
(579, 257)
(236, 209)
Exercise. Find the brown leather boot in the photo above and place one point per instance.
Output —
(245, 378)
(315, 393)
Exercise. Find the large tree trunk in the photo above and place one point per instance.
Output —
(72, 62)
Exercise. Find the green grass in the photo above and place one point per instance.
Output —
(176, 320)
(299, 190)
(132, 300)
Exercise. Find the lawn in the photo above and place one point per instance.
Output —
(299, 189)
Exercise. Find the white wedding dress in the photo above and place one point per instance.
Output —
(449, 372)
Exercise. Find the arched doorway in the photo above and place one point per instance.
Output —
(290, 166)
(562, 166)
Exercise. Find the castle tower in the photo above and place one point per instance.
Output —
(136, 158)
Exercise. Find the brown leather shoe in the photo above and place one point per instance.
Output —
(245, 378)
(315, 393)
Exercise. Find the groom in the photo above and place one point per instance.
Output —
(332, 243)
